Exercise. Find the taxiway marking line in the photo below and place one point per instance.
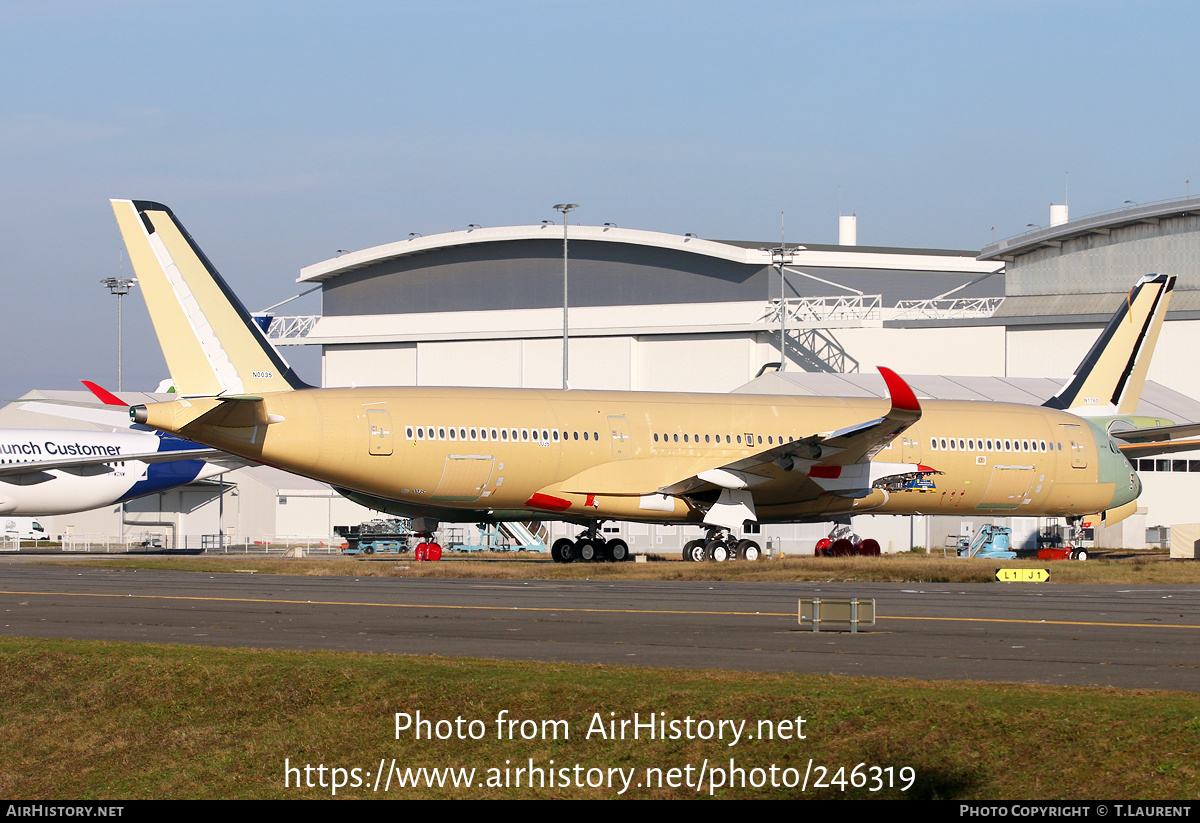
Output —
(585, 611)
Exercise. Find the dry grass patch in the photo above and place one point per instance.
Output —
(1124, 568)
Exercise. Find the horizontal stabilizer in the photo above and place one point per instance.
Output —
(1149, 442)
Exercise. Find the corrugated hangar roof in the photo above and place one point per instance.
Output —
(1082, 307)
(1157, 400)
(866, 257)
(1101, 223)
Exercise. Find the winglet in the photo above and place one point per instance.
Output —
(902, 395)
(104, 395)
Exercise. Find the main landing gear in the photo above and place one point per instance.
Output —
(589, 547)
(720, 545)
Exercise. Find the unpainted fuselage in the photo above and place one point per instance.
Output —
(479, 455)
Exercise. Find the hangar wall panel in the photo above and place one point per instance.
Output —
(370, 364)
(697, 362)
(1047, 352)
(965, 350)
(470, 363)
(603, 363)
(541, 364)
(1042, 352)
(1175, 357)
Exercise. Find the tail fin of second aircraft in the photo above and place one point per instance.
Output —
(211, 343)
(1110, 379)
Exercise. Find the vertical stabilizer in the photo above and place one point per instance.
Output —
(211, 344)
(1110, 379)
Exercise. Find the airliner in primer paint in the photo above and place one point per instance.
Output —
(45, 472)
(717, 461)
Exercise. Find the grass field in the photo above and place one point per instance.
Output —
(125, 721)
(1142, 567)
(122, 721)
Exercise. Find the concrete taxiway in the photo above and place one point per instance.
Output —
(1125, 636)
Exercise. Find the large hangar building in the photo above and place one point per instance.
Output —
(663, 312)
(648, 311)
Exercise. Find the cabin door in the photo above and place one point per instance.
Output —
(379, 429)
(465, 478)
(619, 426)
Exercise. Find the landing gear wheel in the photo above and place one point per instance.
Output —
(570, 551)
(587, 550)
(842, 548)
(1079, 554)
(748, 550)
(868, 548)
(718, 551)
(557, 553)
(822, 547)
(694, 551)
(617, 551)
(433, 551)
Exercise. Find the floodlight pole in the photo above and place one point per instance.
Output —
(780, 257)
(119, 286)
(565, 208)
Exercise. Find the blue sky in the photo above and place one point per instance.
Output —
(280, 132)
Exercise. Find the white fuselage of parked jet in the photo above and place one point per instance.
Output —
(58, 471)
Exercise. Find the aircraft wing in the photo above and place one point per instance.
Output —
(89, 465)
(819, 462)
(837, 462)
